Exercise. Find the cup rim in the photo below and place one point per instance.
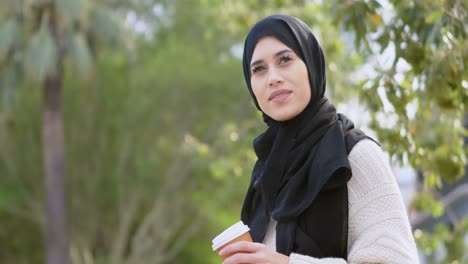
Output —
(234, 231)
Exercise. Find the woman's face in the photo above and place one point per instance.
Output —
(279, 79)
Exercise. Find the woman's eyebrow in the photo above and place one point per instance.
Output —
(281, 52)
(255, 63)
(277, 54)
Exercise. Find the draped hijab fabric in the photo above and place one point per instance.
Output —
(302, 169)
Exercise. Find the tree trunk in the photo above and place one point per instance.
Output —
(56, 230)
(53, 144)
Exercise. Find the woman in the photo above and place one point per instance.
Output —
(321, 190)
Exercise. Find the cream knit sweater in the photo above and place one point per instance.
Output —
(378, 227)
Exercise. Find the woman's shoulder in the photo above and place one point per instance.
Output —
(378, 229)
(371, 172)
(365, 150)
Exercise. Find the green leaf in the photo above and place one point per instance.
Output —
(41, 53)
(431, 18)
(375, 18)
(71, 10)
(105, 24)
(81, 55)
(9, 31)
(426, 202)
(449, 161)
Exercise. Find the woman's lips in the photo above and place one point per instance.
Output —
(279, 96)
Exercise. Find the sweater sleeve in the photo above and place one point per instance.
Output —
(378, 227)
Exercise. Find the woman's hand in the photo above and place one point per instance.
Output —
(252, 253)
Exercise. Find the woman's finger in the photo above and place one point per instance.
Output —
(243, 258)
(242, 246)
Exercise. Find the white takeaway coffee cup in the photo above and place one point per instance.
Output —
(235, 233)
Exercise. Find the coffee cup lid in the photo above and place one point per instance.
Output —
(229, 234)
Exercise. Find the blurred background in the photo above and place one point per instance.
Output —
(126, 127)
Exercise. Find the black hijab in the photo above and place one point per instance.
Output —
(302, 169)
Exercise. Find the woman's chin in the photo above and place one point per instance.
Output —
(283, 116)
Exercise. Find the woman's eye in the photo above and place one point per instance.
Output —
(257, 69)
(285, 59)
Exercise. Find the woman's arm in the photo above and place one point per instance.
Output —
(379, 229)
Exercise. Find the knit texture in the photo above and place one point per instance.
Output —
(378, 225)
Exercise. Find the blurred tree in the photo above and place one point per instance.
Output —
(420, 90)
(136, 151)
(423, 84)
(39, 36)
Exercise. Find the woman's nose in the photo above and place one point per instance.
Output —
(274, 78)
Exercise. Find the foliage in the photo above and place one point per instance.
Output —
(163, 136)
(421, 91)
(28, 39)
(39, 36)
(452, 240)
(423, 85)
